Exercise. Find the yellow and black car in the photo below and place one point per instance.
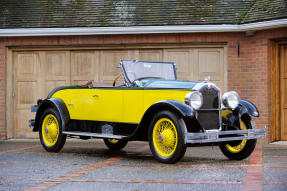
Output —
(150, 105)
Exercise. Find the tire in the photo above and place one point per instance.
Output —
(115, 144)
(166, 137)
(239, 150)
(50, 131)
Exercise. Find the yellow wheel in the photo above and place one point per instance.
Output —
(238, 147)
(50, 131)
(239, 150)
(166, 137)
(115, 144)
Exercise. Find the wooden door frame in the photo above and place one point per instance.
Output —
(275, 88)
(10, 65)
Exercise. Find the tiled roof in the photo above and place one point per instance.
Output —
(117, 13)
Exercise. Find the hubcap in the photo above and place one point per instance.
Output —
(160, 138)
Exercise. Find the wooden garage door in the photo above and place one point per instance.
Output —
(36, 73)
(282, 135)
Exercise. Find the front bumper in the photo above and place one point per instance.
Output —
(212, 136)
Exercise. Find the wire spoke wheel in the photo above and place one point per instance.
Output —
(165, 137)
(236, 148)
(239, 150)
(50, 130)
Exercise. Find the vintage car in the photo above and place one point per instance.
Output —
(150, 105)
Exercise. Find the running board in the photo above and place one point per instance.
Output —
(98, 135)
(212, 136)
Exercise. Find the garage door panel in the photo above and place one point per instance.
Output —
(26, 92)
(56, 64)
(50, 85)
(27, 65)
(21, 120)
(184, 62)
(150, 55)
(209, 64)
(84, 66)
(110, 60)
(57, 70)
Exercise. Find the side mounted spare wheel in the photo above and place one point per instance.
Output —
(50, 130)
(166, 137)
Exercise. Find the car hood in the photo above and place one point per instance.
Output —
(170, 84)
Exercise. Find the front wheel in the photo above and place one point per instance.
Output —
(50, 131)
(115, 144)
(166, 137)
(239, 150)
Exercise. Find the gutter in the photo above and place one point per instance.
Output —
(142, 29)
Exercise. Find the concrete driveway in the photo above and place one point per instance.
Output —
(89, 165)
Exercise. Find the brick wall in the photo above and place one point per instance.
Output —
(248, 71)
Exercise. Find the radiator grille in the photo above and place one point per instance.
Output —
(210, 97)
(209, 114)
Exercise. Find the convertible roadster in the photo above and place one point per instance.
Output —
(149, 105)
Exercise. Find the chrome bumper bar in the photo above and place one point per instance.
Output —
(212, 136)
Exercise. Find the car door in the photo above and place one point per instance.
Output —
(101, 104)
(107, 104)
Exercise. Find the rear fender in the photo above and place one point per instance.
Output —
(55, 103)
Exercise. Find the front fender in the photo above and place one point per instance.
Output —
(249, 108)
(177, 107)
(55, 103)
(180, 108)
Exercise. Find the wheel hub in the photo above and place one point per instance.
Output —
(160, 138)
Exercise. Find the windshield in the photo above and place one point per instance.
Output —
(136, 70)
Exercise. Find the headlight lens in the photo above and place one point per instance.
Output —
(194, 99)
(230, 100)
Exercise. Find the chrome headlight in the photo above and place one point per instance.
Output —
(194, 99)
(230, 100)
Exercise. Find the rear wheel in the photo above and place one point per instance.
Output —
(115, 144)
(50, 131)
(239, 150)
(166, 137)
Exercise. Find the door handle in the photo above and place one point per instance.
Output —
(95, 95)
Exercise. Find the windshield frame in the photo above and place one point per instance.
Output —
(128, 82)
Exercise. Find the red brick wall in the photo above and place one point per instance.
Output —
(248, 73)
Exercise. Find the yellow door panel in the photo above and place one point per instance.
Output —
(133, 106)
(108, 105)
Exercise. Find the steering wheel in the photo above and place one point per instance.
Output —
(121, 74)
